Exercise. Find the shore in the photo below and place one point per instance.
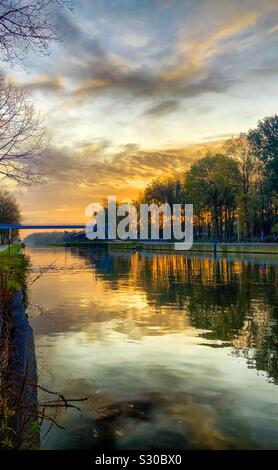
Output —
(219, 248)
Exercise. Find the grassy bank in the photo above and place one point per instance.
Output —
(14, 250)
(13, 268)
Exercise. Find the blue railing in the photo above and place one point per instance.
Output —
(36, 227)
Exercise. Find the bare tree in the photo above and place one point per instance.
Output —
(22, 136)
(9, 214)
(240, 149)
(27, 25)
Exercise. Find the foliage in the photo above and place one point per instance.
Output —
(213, 182)
(250, 167)
(6, 431)
(264, 141)
(234, 194)
(163, 190)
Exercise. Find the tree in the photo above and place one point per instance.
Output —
(22, 136)
(27, 25)
(213, 182)
(9, 214)
(162, 190)
(264, 141)
(24, 25)
(240, 149)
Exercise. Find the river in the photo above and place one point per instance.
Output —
(174, 351)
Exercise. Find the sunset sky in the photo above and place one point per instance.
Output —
(140, 88)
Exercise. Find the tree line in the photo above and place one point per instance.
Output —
(235, 194)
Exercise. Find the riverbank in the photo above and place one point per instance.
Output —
(219, 248)
(13, 268)
(18, 371)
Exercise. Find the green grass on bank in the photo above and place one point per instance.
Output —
(13, 268)
(14, 250)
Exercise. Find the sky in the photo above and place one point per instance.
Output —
(138, 89)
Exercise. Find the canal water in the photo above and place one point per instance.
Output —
(173, 351)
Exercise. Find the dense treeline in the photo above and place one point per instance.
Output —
(235, 194)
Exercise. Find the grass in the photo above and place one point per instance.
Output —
(14, 250)
(13, 268)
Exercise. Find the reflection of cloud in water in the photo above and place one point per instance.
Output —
(160, 329)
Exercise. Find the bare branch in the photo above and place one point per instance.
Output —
(28, 25)
(23, 139)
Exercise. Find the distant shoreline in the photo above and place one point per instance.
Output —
(206, 247)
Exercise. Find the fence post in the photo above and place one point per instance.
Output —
(10, 239)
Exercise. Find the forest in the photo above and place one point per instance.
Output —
(235, 194)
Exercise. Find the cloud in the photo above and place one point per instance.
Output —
(100, 165)
(196, 52)
(162, 108)
(194, 64)
(190, 73)
(136, 41)
(76, 40)
(45, 84)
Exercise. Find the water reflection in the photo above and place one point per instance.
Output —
(233, 301)
(176, 351)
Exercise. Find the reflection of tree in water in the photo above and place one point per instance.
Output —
(109, 268)
(257, 343)
(233, 300)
